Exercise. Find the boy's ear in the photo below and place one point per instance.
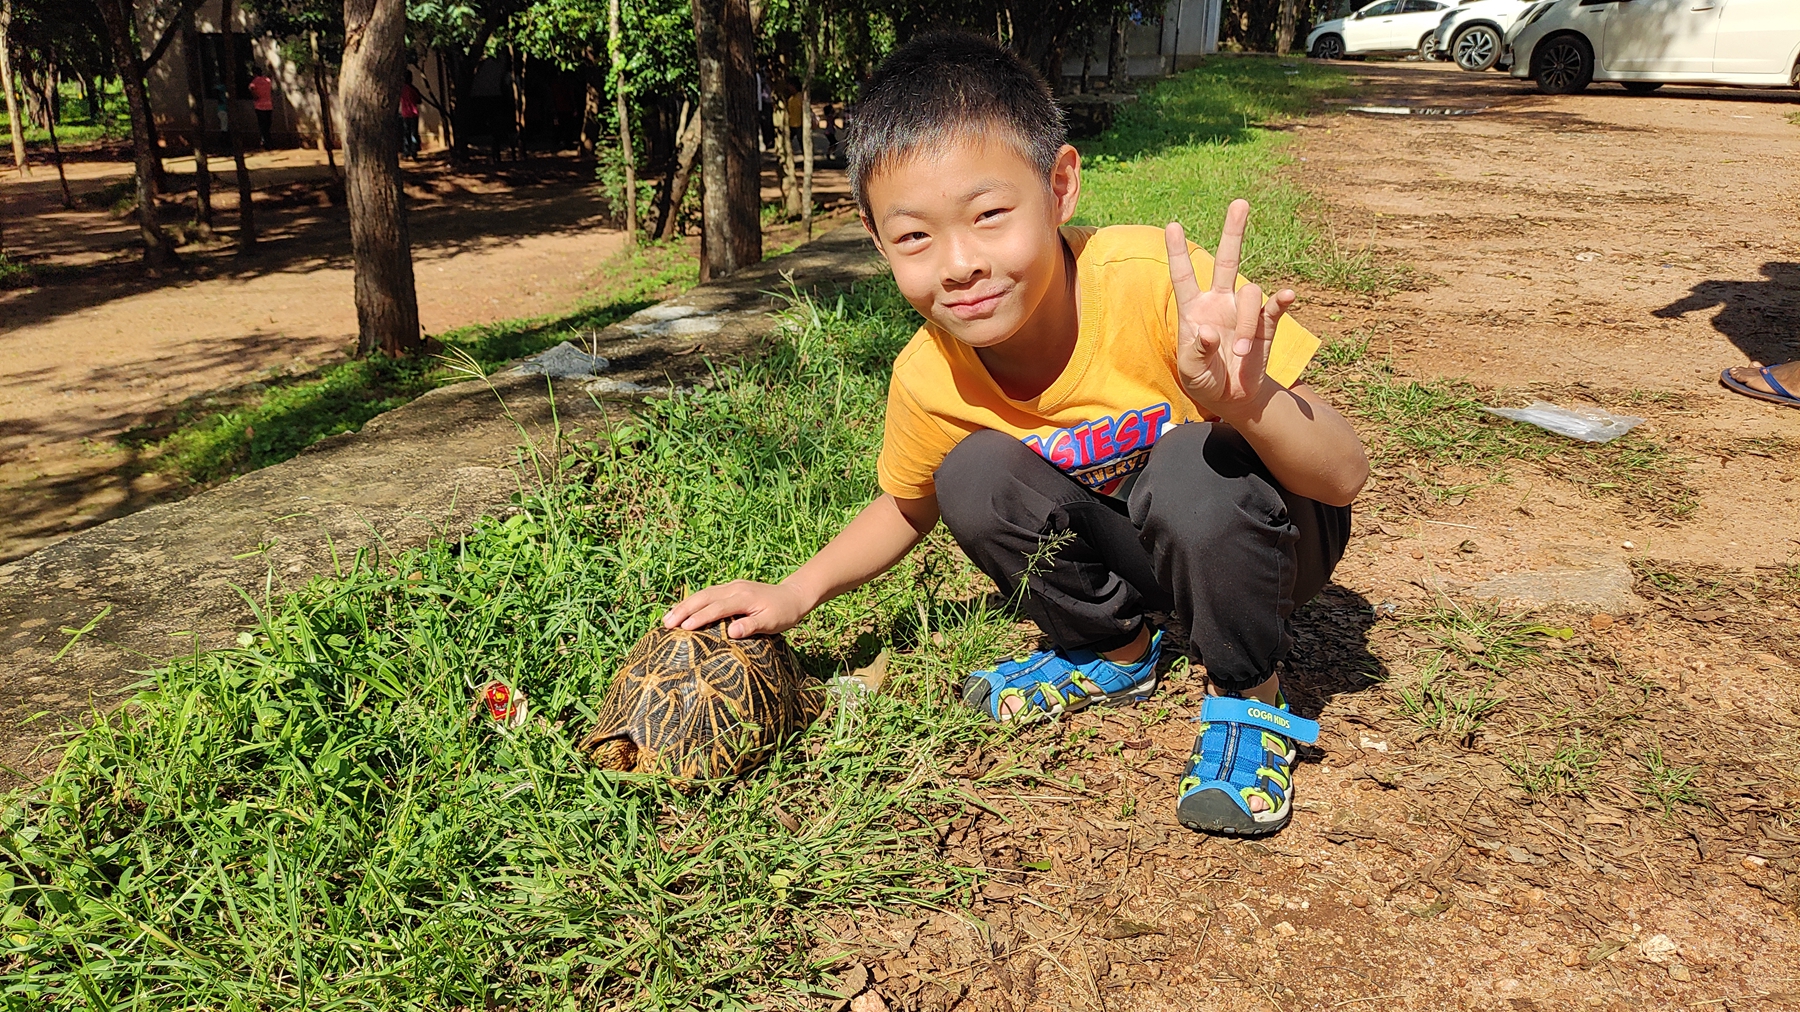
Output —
(874, 236)
(1065, 183)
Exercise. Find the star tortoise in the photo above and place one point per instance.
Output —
(698, 704)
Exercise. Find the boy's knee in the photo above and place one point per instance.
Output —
(974, 470)
(1205, 482)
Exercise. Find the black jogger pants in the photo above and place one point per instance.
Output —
(1204, 534)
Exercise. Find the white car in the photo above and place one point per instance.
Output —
(1472, 33)
(1644, 44)
(1389, 26)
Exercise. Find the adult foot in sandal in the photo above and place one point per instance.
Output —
(1240, 777)
(1777, 383)
(1052, 682)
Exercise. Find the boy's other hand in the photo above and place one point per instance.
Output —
(756, 608)
(1222, 347)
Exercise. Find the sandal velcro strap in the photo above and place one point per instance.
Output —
(1229, 710)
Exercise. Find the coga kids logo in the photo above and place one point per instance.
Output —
(1100, 453)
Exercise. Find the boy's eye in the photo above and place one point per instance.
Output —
(985, 215)
(912, 237)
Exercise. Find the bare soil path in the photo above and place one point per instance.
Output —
(97, 348)
(1609, 820)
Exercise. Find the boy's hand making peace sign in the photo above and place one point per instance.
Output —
(1223, 336)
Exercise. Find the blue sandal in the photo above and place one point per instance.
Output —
(1051, 682)
(1780, 394)
(1245, 750)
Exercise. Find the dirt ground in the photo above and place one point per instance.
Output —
(1595, 249)
(96, 348)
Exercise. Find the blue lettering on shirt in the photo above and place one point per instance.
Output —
(1101, 453)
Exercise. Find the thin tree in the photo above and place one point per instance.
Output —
(159, 253)
(806, 130)
(731, 211)
(387, 304)
(1117, 73)
(1284, 33)
(675, 187)
(615, 52)
(15, 127)
(319, 85)
(190, 45)
(47, 96)
(246, 237)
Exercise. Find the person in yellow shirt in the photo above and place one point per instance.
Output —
(1109, 421)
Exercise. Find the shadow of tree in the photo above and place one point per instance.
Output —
(1761, 317)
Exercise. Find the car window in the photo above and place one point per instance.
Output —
(1420, 5)
(1385, 7)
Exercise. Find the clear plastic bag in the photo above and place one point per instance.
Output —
(1590, 425)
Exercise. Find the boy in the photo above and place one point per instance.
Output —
(1077, 388)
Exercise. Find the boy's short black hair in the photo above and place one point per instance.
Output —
(941, 87)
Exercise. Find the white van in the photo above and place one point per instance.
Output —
(1644, 44)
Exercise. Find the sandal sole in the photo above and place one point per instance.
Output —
(975, 692)
(1212, 811)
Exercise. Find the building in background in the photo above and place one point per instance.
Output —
(1155, 47)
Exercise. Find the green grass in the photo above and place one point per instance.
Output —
(1571, 768)
(1434, 703)
(75, 126)
(1191, 144)
(214, 438)
(312, 818)
(1668, 785)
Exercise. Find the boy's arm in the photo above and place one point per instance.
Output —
(1222, 351)
(879, 537)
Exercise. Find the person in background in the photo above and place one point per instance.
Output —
(262, 96)
(409, 117)
(830, 130)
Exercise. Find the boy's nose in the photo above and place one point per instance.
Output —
(962, 264)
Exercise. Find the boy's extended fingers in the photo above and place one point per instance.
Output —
(1231, 246)
(1249, 318)
(1181, 266)
(1275, 308)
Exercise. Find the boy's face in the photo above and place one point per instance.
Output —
(971, 233)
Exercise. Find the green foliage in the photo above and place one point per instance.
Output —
(1193, 143)
(1666, 784)
(313, 817)
(1570, 768)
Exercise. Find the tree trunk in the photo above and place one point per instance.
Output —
(6, 82)
(319, 85)
(515, 66)
(387, 305)
(616, 55)
(784, 153)
(158, 252)
(44, 95)
(595, 93)
(668, 219)
(190, 47)
(246, 237)
(1117, 75)
(731, 211)
(1284, 35)
(806, 134)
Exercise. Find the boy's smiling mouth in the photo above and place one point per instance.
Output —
(969, 308)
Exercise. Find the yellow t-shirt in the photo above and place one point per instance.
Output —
(1119, 393)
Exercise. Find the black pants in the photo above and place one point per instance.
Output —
(265, 119)
(1204, 534)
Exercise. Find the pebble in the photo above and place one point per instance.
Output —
(1628, 546)
(1752, 862)
(1359, 902)
(1418, 553)
(1601, 621)
(1679, 972)
(1286, 930)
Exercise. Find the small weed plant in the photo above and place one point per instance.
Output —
(313, 817)
(1434, 704)
(1666, 784)
(1569, 769)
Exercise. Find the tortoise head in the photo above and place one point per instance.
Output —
(617, 753)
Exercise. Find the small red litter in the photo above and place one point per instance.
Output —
(504, 704)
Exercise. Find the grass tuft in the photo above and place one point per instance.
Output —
(1570, 769)
(314, 817)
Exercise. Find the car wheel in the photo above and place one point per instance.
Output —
(1641, 87)
(1563, 65)
(1328, 47)
(1428, 47)
(1476, 48)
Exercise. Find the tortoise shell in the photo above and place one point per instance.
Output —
(698, 704)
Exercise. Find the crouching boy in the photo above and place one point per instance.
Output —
(1116, 394)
